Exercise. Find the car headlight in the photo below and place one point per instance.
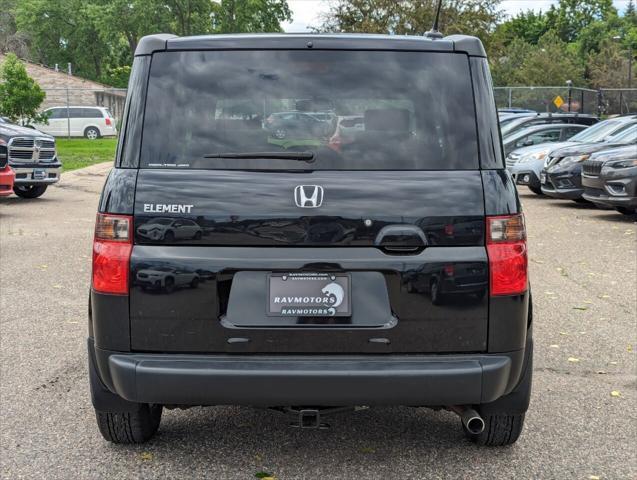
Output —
(622, 164)
(573, 159)
(532, 156)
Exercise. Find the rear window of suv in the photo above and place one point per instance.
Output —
(416, 110)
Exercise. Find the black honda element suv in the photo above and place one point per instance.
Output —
(320, 270)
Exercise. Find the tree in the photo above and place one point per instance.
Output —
(570, 17)
(100, 36)
(11, 39)
(20, 95)
(552, 62)
(506, 69)
(607, 69)
(527, 26)
(413, 17)
(236, 16)
(61, 32)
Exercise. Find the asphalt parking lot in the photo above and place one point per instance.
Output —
(582, 420)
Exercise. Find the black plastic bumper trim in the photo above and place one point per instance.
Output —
(271, 380)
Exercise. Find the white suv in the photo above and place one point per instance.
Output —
(89, 122)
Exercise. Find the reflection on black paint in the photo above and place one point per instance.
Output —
(257, 208)
(460, 283)
(165, 279)
(191, 319)
(168, 230)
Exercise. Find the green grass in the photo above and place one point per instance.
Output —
(77, 153)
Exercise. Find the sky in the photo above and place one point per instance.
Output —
(307, 13)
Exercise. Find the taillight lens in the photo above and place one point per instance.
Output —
(506, 248)
(108, 121)
(112, 248)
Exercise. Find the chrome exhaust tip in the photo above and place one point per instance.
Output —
(471, 419)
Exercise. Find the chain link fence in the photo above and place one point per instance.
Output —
(618, 100)
(605, 101)
(70, 112)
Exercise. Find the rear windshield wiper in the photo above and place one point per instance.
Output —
(301, 156)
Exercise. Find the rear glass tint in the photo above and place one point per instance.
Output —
(370, 110)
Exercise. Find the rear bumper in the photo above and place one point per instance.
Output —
(271, 380)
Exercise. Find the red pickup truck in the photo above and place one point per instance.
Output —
(6, 174)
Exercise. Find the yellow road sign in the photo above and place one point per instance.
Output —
(558, 101)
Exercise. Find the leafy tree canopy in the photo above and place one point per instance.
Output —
(100, 36)
(20, 95)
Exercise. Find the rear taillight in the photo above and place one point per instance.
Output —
(112, 248)
(506, 248)
(108, 121)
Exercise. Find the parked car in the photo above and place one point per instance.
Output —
(526, 164)
(506, 118)
(282, 125)
(609, 178)
(170, 229)
(515, 110)
(311, 253)
(562, 174)
(347, 126)
(32, 157)
(7, 176)
(166, 279)
(525, 121)
(540, 134)
(89, 122)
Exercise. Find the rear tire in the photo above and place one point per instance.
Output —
(504, 418)
(499, 430)
(29, 191)
(536, 190)
(135, 426)
(92, 133)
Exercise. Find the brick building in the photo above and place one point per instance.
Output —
(81, 92)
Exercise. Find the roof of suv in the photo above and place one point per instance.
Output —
(452, 43)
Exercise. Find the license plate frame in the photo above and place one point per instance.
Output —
(38, 174)
(327, 294)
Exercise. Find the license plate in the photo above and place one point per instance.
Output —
(39, 174)
(542, 178)
(309, 295)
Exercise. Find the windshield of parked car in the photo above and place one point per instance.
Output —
(599, 131)
(413, 110)
(513, 124)
(628, 135)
